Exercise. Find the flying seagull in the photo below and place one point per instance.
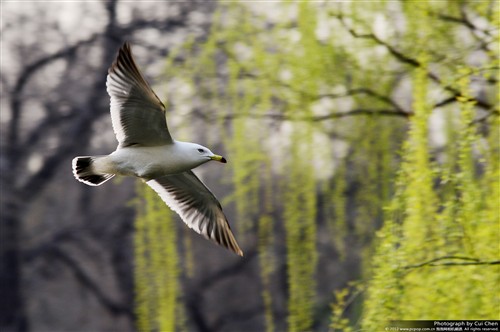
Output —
(146, 150)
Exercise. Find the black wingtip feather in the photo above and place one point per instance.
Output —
(84, 172)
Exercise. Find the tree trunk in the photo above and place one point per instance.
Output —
(12, 309)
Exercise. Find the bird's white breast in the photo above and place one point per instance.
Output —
(152, 162)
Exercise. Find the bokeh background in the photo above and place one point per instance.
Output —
(363, 175)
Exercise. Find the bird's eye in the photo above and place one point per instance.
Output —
(201, 150)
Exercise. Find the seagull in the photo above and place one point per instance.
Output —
(147, 150)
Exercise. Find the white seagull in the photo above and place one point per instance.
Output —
(146, 150)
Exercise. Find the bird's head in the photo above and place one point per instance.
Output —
(205, 154)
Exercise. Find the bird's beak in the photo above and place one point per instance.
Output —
(218, 158)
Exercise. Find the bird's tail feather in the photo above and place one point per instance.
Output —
(84, 171)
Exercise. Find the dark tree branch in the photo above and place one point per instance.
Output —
(192, 294)
(46, 125)
(407, 60)
(465, 21)
(41, 250)
(396, 53)
(465, 261)
(50, 166)
(28, 72)
(245, 73)
(196, 314)
(51, 248)
(446, 101)
(397, 111)
(85, 280)
(318, 118)
(236, 315)
(485, 117)
(227, 271)
(162, 25)
(474, 30)
(33, 68)
(354, 112)
(368, 92)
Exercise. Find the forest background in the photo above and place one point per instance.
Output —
(362, 183)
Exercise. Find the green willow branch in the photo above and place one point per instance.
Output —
(358, 291)
(467, 261)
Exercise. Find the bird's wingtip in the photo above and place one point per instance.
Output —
(126, 45)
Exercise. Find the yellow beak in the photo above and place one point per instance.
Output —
(218, 158)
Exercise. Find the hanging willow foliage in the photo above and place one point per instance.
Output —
(156, 271)
(249, 90)
(317, 136)
(434, 245)
(265, 247)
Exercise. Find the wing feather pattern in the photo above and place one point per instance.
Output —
(137, 114)
(198, 207)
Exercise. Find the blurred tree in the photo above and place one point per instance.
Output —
(441, 216)
(326, 93)
(52, 108)
(312, 102)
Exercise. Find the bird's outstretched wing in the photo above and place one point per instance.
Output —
(198, 207)
(137, 114)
